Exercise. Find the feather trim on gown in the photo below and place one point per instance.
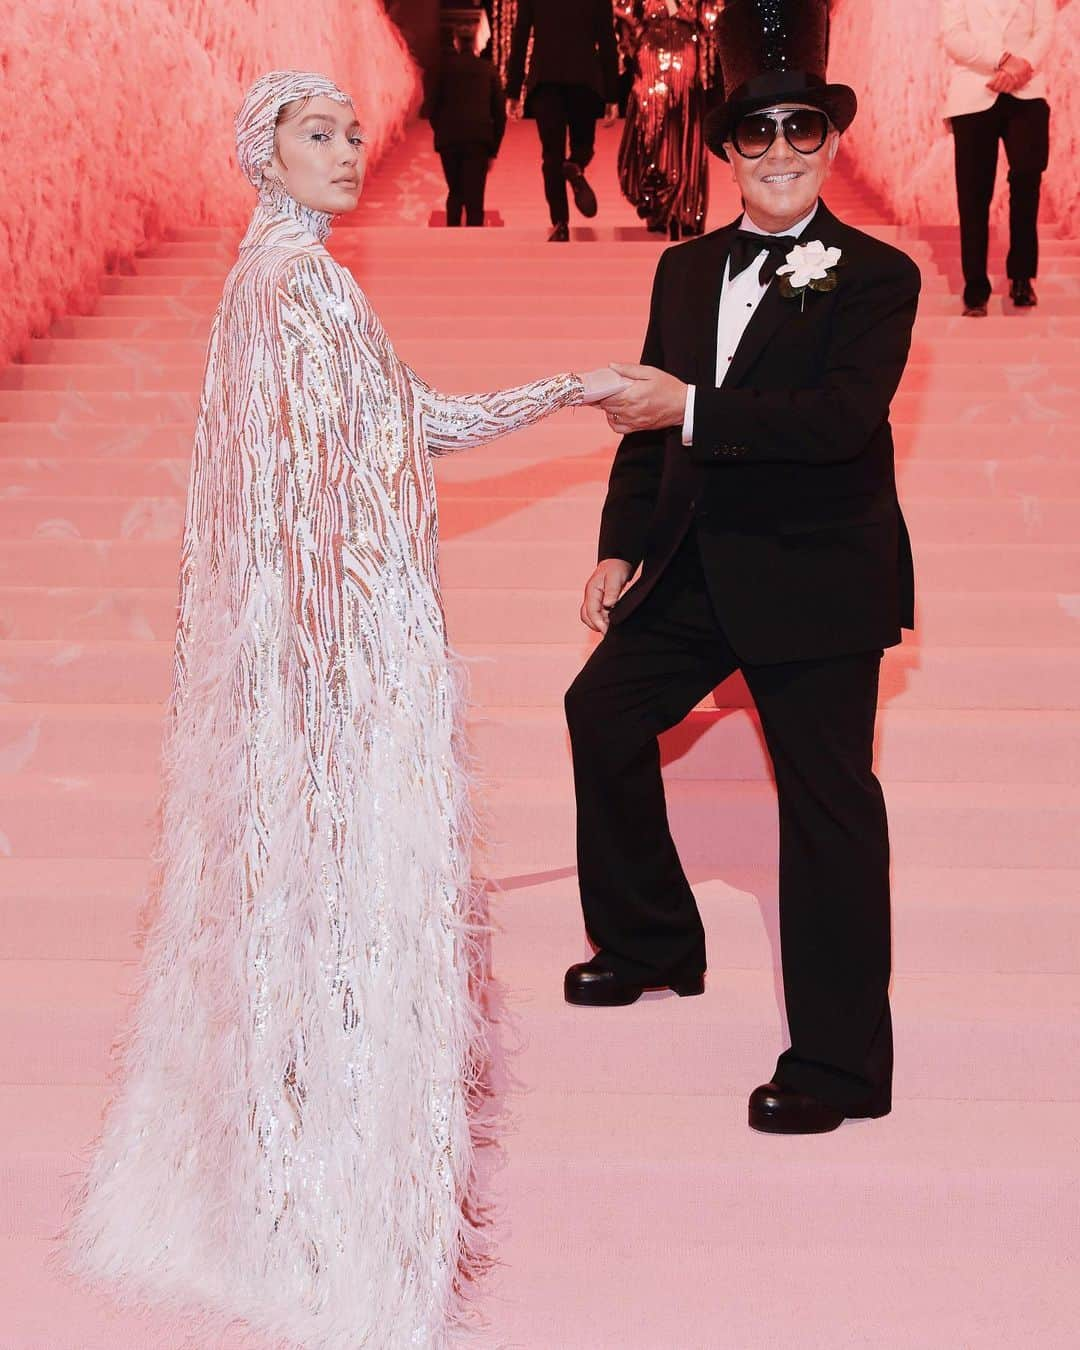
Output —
(291, 1141)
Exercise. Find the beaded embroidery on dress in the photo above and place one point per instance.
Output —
(290, 1142)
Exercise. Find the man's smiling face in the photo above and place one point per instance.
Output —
(782, 186)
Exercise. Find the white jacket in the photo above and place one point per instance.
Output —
(976, 34)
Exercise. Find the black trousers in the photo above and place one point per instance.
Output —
(563, 111)
(1023, 124)
(818, 722)
(466, 171)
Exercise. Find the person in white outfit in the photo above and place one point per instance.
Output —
(997, 92)
(292, 1139)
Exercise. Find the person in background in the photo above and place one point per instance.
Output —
(997, 92)
(466, 107)
(662, 166)
(573, 79)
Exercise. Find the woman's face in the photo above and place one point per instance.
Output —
(319, 155)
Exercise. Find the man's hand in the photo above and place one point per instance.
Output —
(602, 589)
(515, 109)
(611, 114)
(1013, 73)
(653, 401)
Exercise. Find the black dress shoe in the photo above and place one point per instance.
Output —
(781, 1110)
(591, 986)
(1023, 295)
(560, 234)
(584, 196)
(975, 311)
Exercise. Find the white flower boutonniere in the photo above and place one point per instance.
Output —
(808, 267)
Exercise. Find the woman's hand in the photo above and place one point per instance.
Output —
(601, 384)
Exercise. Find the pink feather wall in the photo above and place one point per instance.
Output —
(116, 124)
(891, 53)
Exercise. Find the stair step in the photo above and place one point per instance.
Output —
(62, 1016)
(942, 824)
(989, 408)
(498, 565)
(1024, 383)
(1004, 618)
(968, 920)
(914, 744)
(1005, 523)
(113, 342)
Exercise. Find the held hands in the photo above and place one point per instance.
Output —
(515, 109)
(611, 114)
(1013, 73)
(602, 589)
(652, 400)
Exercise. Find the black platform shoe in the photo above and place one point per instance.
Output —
(589, 985)
(560, 234)
(584, 196)
(1022, 294)
(781, 1110)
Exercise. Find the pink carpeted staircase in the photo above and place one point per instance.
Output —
(635, 1210)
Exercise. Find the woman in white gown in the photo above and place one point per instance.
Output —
(291, 1141)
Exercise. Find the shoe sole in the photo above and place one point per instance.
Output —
(765, 1126)
(684, 989)
(584, 196)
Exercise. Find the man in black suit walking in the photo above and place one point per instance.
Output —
(467, 110)
(573, 79)
(756, 488)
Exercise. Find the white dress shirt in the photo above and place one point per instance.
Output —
(739, 298)
(977, 33)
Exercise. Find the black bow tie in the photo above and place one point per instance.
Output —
(747, 245)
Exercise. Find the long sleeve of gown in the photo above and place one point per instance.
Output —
(460, 421)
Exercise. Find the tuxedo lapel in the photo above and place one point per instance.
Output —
(773, 311)
(701, 305)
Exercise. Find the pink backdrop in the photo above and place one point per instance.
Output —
(891, 53)
(116, 124)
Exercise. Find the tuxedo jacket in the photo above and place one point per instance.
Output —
(573, 43)
(976, 33)
(789, 483)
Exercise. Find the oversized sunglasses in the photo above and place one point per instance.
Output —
(805, 130)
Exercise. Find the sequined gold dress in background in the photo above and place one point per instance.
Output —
(291, 1142)
(663, 171)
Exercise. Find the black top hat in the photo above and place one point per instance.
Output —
(774, 51)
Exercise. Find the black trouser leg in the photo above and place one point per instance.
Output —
(548, 105)
(975, 145)
(1027, 148)
(643, 678)
(818, 720)
(452, 171)
(474, 171)
(581, 121)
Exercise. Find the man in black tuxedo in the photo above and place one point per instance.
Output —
(755, 485)
(573, 79)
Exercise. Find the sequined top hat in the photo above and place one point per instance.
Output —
(774, 51)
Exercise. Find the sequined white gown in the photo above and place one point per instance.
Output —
(291, 1141)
